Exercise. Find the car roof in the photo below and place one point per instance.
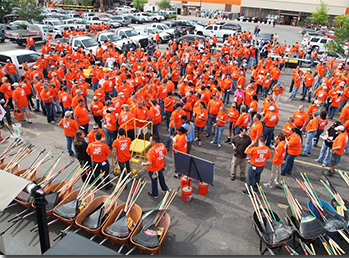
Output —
(17, 52)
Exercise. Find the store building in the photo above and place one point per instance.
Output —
(287, 11)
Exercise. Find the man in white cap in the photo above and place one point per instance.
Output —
(12, 71)
(270, 120)
(311, 130)
(21, 101)
(338, 148)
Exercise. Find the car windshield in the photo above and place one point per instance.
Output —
(113, 37)
(131, 33)
(89, 42)
(165, 26)
(56, 22)
(47, 29)
(14, 27)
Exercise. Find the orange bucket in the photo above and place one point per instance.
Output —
(185, 181)
(187, 193)
(203, 188)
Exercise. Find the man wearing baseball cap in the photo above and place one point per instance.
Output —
(338, 148)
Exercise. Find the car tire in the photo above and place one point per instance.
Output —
(199, 33)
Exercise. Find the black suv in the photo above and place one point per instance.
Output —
(232, 26)
(181, 25)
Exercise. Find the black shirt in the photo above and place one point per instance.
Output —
(332, 134)
(81, 153)
(241, 144)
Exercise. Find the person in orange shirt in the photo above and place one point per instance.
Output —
(278, 158)
(287, 129)
(309, 83)
(221, 121)
(201, 117)
(270, 121)
(21, 101)
(91, 135)
(344, 116)
(233, 115)
(96, 110)
(110, 126)
(121, 150)
(141, 113)
(99, 153)
(311, 130)
(70, 127)
(12, 71)
(335, 102)
(213, 108)
(179, 142)
(126, 121)
(169, 103)
(278, 90)
(259, 156)
(294, 148)
(81, 116)
(323, 121)
(155, 116)
(47, 97)
(338, 149)
(243, 119)
(175, 123)
(301, 118)
(256, 130)
(156, 165)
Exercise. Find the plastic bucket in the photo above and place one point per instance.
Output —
(203, 188)
(17, 128)
(187, 193)
(185, 181)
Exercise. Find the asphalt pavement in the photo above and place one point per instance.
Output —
(219, 223)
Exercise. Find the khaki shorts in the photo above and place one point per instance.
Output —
(24, 109)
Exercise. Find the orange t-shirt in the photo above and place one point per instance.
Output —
(95, 107)
(279, 153)
(110, 121)
(214, 106)
(243, 119)
(342, 141)
(271, 119)
(126, 120)
(122, 146)
(259, 155)
(91, 135)
(66, 99)
(312, 125)
(300, 118)
(200, 114)
(176, 117)
(221, 116)
(294, 145)
(180, 143)
(81, 114)
(155, 113)
(21, 97)
(170, 101)
(70, 127)
(233, 114)
(256, 129)
(98, 151)
(287, 129)
(156, 155)
(141, 114)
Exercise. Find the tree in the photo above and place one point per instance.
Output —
(164, 4)
(6, 7)
(337, 45)
(28, 11)
(321, 14)
(139, 4)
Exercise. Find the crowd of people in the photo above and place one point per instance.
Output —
(191, 89)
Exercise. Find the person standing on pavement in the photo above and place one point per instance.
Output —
(121, 148)
(81, 116)
(70, 128)
(212, 108)
(12, 71)
(156, 165)
(201, 117)
(331, 135)
(190, 127)
(233, 115)
(259, 156)
(311, 130)
(338, 148)
(110, 126)
(221, 121)
(21, 101)
(270, 121)
(46, 96)
(99, 153)
(239, 143)
(80, 146)
(278, 158)
(294, 148)
(175, 123)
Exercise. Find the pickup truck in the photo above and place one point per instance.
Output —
(217, 30)
(126, 33)
(38, 32)
(151, 33)
(57, 24)
(103, 37)
(18, 57)
(86, 42)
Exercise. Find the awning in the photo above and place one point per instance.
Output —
(290, 14)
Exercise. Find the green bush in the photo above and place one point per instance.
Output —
(301, 23)
(172, 16)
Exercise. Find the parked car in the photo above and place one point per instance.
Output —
(164, 28)
(151, 33)
(165, 14)
(121, 19)
(217, 30)
(328, 34)
(319, 42)
(306, 30)
(154, 17)
(7, 27)
(232, 26)
(87, 43)
(135, 19)
(244, 18)
(181, 25)
(191, 38)
(126, 33)
(140, 15)
(18, 57)
(266, 37)
(117, 41)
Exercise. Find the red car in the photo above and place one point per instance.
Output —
(327, 34)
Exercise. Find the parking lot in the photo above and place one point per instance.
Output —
(217, 224)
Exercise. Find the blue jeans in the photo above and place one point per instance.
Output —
(226, 96)
(101, 167)
(69, 143)
(289, 162)
(161, 104)
(235, 82)
(309, 142)
(218, 134)
(324, 155)
(154, 182)
(291, 86)
(265, 92)
(318, 80)
(252, 59)
(294, 92)
(268, 133)
(49, 112)
(14, 77)
(169, 140)
(168, 118)
(94, 85)
(254, 176)
(110, 137)
(305, 91)
(342, 105)
(346, 148)
(332, 112)
(317, 135)
(156, 130)
(126, 164)
(211, 119)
